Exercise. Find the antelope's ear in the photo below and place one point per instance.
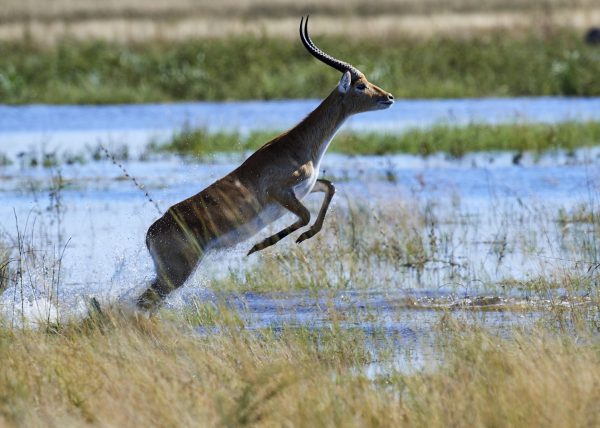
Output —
(345, 82)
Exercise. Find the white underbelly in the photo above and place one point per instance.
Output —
(305, 187)
(267, 216)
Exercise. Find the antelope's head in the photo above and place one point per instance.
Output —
(358, 93)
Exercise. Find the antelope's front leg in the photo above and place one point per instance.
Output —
(329, 189)
(289, 201)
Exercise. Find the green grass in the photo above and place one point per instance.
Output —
(454, 140)
(496, 64)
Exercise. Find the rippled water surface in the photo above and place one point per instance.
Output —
(71, 126)
(497, 221)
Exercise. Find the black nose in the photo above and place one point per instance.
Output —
(390, 97)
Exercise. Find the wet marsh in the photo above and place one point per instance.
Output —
(457, 286)
(461, 228)
(455, 280)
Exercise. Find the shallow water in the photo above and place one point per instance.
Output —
(103, 218)
(70, 127)
(404, 323)
(498, 220)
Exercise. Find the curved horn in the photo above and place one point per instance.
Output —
(322, 56)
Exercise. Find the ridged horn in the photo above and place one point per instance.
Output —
(322, 56)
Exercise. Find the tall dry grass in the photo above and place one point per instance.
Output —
(73, 10)
(135, 21)
(126, 370)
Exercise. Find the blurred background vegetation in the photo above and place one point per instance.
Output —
(68, 51)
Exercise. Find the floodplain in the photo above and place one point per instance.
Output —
(426, 261)
(455, 281)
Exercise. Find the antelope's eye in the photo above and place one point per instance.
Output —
(361, 86)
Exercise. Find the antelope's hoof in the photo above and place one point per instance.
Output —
(306, 235)
(252, 250)
(150, 300)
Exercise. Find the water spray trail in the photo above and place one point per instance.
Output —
(137, 184)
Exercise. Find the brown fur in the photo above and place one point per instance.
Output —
(269, 183)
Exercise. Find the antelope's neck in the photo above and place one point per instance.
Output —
(318, 129)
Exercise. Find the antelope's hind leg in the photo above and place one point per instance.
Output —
(289, 201)
(174, 262)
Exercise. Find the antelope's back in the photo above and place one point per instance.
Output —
(224, 214)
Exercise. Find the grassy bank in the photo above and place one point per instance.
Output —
(454, 140)
(129, 370)
(553, 63)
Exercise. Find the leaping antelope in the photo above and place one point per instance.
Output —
(270, 183)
